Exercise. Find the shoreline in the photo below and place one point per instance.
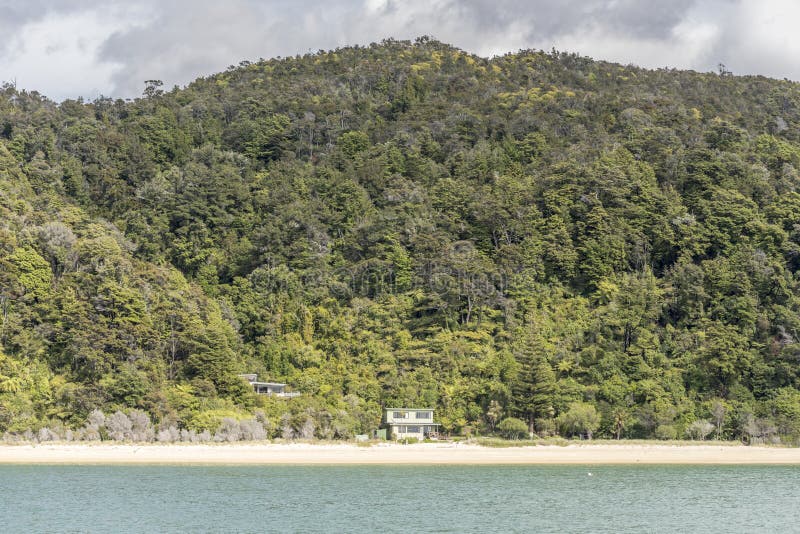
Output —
(393, 454)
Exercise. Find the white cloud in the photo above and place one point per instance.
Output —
(687, 46)
(762, 37)
(58, 54)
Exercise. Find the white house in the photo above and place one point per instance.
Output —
(404, 423)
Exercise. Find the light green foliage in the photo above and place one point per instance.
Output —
(33, 272)
(581, 418)
(352, 143)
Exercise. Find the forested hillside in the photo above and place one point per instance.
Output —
(588, 247)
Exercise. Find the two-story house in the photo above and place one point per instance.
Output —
(404, 423)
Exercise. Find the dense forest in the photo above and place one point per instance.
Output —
(590, 248)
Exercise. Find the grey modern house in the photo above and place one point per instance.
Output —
(276, 389)
(402, 423)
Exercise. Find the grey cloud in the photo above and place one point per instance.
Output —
(187, 39)
(14, 13)
(753, 36)
(652, 19)
(638, 18)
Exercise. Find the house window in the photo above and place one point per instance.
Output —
(413, 430)
(423, 415)
(399, 415)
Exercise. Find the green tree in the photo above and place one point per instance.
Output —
(581, 418)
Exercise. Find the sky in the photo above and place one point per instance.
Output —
(71, 48)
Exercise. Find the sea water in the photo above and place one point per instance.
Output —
(399, 499)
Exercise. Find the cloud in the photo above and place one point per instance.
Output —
(55, 55)
(759, 37)
(87, 47)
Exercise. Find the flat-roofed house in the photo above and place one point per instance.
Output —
(403, 423)
(276, 389)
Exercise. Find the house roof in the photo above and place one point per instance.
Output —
(253, 379)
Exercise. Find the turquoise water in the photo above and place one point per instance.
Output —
(399, 499)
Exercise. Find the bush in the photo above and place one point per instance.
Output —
(252, 430)
(210, 420)
(135, 426)
(45, 434)
(306, 430)
(229, 430)
(266, 424)
(95, 424)
(169, 435)
(699, 429)
(759, 431)
(666, 432)
(141, 428)
(512, 428)
(545, 427)
(119, 426)
(287, 430)
(580, 418)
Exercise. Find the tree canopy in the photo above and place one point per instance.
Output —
(587, 247)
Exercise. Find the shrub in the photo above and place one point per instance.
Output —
(262, 418)
(229, 430)
(759, 431)
(11, 437)
(580, 418)
(699, 429)
(287, 430)
(306, 430)
(169, 435)
(344, 425)
(512, 428)
(666, 432)
(95, 424)
(45, 434)
(210, 419)
(545, 427)
(252, 430)
(119, 426)
(141, 427)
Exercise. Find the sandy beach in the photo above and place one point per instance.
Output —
(393, 454)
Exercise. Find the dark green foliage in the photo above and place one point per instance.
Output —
(596, 249)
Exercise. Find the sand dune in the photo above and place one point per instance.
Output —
(423, 453)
